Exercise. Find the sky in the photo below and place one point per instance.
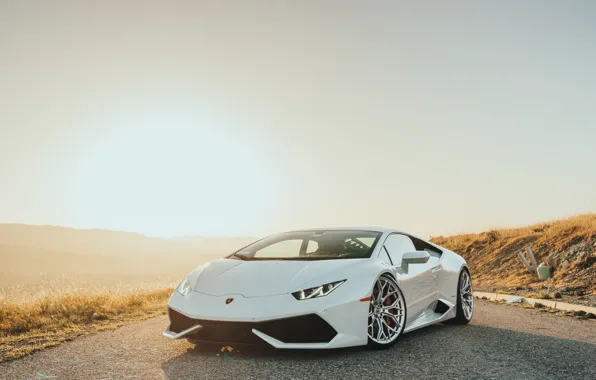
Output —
(253, 117)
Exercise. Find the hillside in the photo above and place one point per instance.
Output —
(29, 265)
(212, 244)
(64, 259)
(569, 247)
(111, 243)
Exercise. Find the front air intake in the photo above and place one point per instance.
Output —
(309, 328)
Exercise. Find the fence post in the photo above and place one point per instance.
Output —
(532, 258)
(524, 261)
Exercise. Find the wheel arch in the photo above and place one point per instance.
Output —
(452, 265)
(392, 276)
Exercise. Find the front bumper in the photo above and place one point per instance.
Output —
(280, 321)
(308, 328)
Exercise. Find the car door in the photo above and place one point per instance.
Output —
(419, 283)
(434, 262)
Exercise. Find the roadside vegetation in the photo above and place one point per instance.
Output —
(31, 326)
(568, 246)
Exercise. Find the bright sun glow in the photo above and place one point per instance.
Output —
(170, 174)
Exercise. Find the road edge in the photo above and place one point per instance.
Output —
(563, 306)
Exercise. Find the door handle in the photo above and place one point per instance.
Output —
(436, 269)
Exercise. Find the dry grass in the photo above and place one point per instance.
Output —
(40, 309)
(58, 283)
(492, 255)
(40, 286)
(31, 326)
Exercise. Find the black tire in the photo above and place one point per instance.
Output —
(381, 346)
(460, 317)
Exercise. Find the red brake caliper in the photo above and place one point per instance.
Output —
(387, 303)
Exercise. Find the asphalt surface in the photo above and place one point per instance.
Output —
(501, 342)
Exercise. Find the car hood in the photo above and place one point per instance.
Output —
(266, 278)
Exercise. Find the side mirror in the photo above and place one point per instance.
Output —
(416, 257)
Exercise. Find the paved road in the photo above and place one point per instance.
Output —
(502, 342)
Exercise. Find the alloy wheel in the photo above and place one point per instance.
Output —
(466, 296)
(386, 312)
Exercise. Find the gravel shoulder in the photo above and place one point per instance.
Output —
(500, 342)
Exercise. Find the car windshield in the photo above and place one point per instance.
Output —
(311, 245)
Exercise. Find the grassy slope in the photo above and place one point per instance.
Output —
(493, 261)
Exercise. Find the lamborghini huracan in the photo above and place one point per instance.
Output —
(322, 288)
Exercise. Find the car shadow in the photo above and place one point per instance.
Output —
(438, 351)
(247, 352)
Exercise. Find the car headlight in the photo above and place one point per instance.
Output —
(184, 287)
(317, 291)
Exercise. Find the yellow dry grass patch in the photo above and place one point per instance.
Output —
(493, 261)
(46, 322)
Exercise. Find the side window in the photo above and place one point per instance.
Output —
(397, 245)
(312, 246)
(424, 246)
(285, 248)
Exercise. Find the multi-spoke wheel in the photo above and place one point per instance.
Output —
(465, 299)
(386, 314)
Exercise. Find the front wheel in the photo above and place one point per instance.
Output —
(465, 299)
(386, 314)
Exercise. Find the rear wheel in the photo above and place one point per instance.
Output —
(386, 313)
(465, 299)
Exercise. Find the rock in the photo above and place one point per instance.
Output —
(543, 272)
(582, 256)
(556, 295)
(539, 305)
(564, 264)
(550, 260)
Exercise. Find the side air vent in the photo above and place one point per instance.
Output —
(441, 307)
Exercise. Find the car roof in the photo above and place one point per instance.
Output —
(350, 228)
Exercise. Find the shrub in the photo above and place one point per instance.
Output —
(492, 236)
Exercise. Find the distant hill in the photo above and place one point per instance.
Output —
(29, 253)
(30, 265)
(213, 244)
(19, 260)
(112, 243)
(83, 241)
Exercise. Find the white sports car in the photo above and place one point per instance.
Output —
(322, 288)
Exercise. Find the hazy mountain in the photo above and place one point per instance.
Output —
(29, 253)
(214, 244)
(112, 243)
(18, 261)
(29, 265)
